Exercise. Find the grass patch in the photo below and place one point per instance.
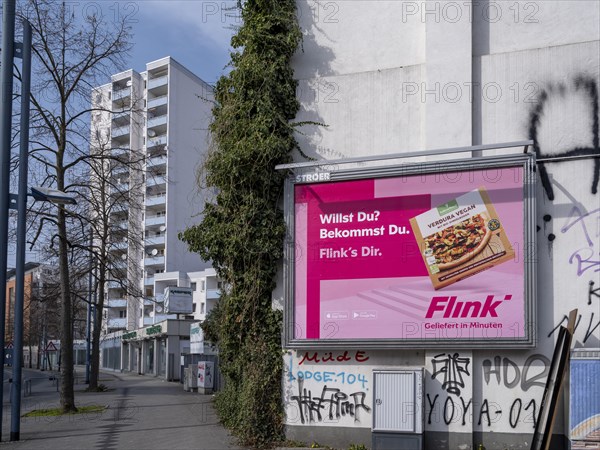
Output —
(53, 412)
(100, 388)
(290, 443)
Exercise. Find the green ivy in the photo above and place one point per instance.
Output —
(242, 230)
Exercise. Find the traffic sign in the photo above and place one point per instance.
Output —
(50, 347)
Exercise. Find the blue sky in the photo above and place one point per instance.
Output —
(194, 32)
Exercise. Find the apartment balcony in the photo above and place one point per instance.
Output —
(154, 200)
(121, 265)
(157, 141)
(120, 152)
(119, 214)
(154, 261)
(120, 322)
(148, 301)
(148, 281)
(120, 188)
(122, 225)
(156, 180)
(119, 207)
(157, 82)
(160, 317)
(155, 240)
(120, 119)
(155, 220)
(119, 253)
(121, 94)
(120, 171)
(114, 284)
(118, 132)
(213, 294)
(157, 121)
(117, 303)
(156, 161)
(148, 321)
(157, 101)
(123, 140)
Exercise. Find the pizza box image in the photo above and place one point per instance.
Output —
(461, 238)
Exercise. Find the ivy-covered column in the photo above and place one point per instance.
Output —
(242, 230)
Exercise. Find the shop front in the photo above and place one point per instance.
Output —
(156, 350)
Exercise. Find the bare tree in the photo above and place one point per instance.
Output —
(71, 55)
(115, 199)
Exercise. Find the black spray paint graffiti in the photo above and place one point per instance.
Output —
(461, 409)
(591, 327)
(487, 413)
(332, 401)
(452, 367)
(581, 83)
(586, 263)
(593, 292)
(534, 371)
(585, 259)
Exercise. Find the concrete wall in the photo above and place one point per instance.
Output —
(189, 117)
(394, 76)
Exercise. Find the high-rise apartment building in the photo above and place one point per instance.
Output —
(154, 127)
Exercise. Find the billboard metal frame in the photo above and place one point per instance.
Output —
(330, 171)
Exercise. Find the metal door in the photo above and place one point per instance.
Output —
(398, 401)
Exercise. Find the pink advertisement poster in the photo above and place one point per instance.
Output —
(424, 257)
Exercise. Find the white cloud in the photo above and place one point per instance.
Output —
(207, 20)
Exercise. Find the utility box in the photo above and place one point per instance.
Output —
(190, 378)
(398, 413)
(205, 376)
(186, 379)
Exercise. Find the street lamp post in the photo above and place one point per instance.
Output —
(88, 331)
(15, 400)
(6, 82)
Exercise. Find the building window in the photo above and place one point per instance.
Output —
(194, 307)
(202, 308)
(193, 286)
(122, 314)
(202, 285)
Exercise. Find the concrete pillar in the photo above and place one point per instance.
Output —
(172, 365)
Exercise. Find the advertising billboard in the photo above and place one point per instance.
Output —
(178, 300)
(196, 338)
(412, 255)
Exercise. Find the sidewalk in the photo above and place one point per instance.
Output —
(142, 413)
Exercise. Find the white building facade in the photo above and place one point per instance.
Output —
(156, 123)
(156, 348)
(400, 76)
